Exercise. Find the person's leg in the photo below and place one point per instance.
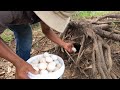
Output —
(23, 36)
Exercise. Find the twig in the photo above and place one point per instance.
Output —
(107, 34)
(109, 16)
(93, 64)
(113, 75)
(81, 48)
(38, 50)
(37, 41)
(72, 59)
(116, 31)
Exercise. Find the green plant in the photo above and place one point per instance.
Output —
(7, 36)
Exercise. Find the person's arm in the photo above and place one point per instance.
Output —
(22, 67)
(53, 37)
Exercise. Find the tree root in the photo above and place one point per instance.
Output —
(93, 49)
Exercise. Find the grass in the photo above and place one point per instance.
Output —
(89, 14)
(7, 36)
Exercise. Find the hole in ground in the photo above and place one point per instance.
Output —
(77, 46)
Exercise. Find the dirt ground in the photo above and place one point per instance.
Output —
(42, 44)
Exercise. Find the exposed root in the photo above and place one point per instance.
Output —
(93, 60)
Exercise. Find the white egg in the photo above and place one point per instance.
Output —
(35, 62)
(53, 63)
(50, 67)
(56, 61)
(46, 54)
(36, 68)
(50, 73)
(54, 57)
(74, 49)
(59, 65)
(48, 59)
(34, 65)
(56, 68)
(42, 66)
(42, 60)
(43, 72)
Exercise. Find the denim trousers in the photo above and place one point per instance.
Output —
(23, 39)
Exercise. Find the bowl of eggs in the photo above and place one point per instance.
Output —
(49, 66)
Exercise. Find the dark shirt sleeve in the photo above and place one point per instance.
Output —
(5, 19)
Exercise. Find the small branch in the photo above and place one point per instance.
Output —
(93, 64)
(37, 41)
(107, 34)
(102, 26)
(73, 61)
(109, 16)
(80, 51)
(71, 58)
(113, 75)
(116, 31)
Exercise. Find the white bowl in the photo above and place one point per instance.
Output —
(55, 75)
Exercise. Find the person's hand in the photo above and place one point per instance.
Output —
(68, 47)
(22, 70)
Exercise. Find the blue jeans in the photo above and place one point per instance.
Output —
(23, 37)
